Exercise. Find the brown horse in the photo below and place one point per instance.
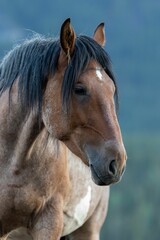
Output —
(59, 131)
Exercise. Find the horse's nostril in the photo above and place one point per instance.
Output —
(112, 169)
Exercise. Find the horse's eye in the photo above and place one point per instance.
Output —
(80, 90)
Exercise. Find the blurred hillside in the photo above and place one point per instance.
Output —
(133, 42)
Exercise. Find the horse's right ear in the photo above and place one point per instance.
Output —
(67, 38)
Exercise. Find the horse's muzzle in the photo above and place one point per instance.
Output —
(107, 163)
(111, 177)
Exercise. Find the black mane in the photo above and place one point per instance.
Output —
(36, 59)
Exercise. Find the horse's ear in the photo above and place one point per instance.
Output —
(67, 38)
(99, 35)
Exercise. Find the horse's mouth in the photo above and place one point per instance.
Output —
(102, 181)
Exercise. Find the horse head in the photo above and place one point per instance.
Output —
(79, 104)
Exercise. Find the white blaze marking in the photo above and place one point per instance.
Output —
(99, 74)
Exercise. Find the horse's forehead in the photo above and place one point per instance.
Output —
(99, 74)
(94, 71)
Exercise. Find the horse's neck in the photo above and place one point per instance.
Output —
(17, 127)
(21, 135)
(27, 152)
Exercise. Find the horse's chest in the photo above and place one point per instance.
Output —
(76, 212)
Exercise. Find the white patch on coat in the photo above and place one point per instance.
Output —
(82, 208)
(99, 74)
(74, 220)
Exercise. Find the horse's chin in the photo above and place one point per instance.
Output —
(102, 181)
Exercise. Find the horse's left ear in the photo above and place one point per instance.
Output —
(99, 35)
(67, 38)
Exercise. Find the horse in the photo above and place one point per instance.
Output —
(60, 140)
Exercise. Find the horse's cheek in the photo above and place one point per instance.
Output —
(56, 124)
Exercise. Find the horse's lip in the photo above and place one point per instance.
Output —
(102, 181)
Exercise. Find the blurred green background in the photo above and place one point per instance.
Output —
(133, 42)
